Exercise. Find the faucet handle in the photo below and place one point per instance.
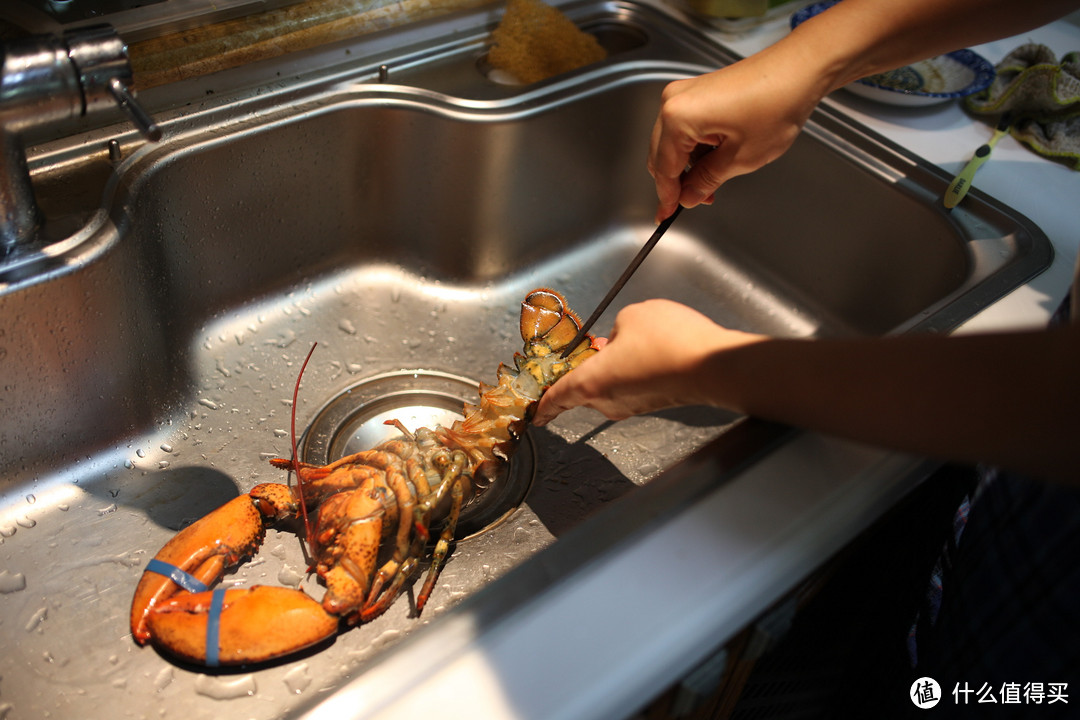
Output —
(101, 61)
(135, 111)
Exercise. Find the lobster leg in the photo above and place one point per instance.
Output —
(452, 484)
(379, 599)
(442, 547)
(401, 566)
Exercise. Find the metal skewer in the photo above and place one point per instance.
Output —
(638, 259)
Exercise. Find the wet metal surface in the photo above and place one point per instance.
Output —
(149, 359)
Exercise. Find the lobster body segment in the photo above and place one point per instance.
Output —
(374, 514)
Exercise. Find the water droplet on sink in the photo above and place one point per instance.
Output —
(26, 522)
(36, 619)
(206, 403)
(31, 499)
(166, 447)
(11, 582)
(227, 688)
(141, 453)
(163, 679)
(289, 577)
(297, 679)
(386, 638)
(346, 326)
(283, 340)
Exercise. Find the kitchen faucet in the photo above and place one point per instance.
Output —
(46, 81)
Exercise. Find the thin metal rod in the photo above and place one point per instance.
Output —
(638, 259)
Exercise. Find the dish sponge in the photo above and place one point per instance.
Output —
(535, 41)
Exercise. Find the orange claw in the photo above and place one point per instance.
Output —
(255, 624)
(203, 549)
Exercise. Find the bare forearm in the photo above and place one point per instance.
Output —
(1009, 399)
(752, 111)
(856, 38)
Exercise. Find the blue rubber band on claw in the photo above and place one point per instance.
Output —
(213, 627)
(183, 579)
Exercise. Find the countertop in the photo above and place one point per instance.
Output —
(642, 616)
(1043, 190)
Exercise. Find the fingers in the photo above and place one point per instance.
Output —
(548, 409)
(561, 396)
(668, 157)
(686, 169)
(637, 370)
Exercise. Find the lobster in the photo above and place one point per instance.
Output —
(374, 516)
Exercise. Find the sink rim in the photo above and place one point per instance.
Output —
(554, 572)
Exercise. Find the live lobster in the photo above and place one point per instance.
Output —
(375, 514)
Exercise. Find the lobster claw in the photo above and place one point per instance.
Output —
(239, 626)
(201, 552)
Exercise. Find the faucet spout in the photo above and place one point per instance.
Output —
(46, 81)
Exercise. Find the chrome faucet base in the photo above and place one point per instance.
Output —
(45, 82)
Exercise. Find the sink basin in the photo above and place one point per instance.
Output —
(149, 357)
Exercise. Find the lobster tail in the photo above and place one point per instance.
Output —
(491, 430)
(547, 322)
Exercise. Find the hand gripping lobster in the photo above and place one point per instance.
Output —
(377, 506)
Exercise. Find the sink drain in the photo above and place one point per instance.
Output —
(355, 420)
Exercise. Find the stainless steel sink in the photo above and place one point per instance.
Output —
(149, 354)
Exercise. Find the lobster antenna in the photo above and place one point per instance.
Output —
(295, 462)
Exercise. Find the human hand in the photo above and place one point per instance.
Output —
(654, 359)
(751, 112)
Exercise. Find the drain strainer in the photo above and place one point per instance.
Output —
(355, 420)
